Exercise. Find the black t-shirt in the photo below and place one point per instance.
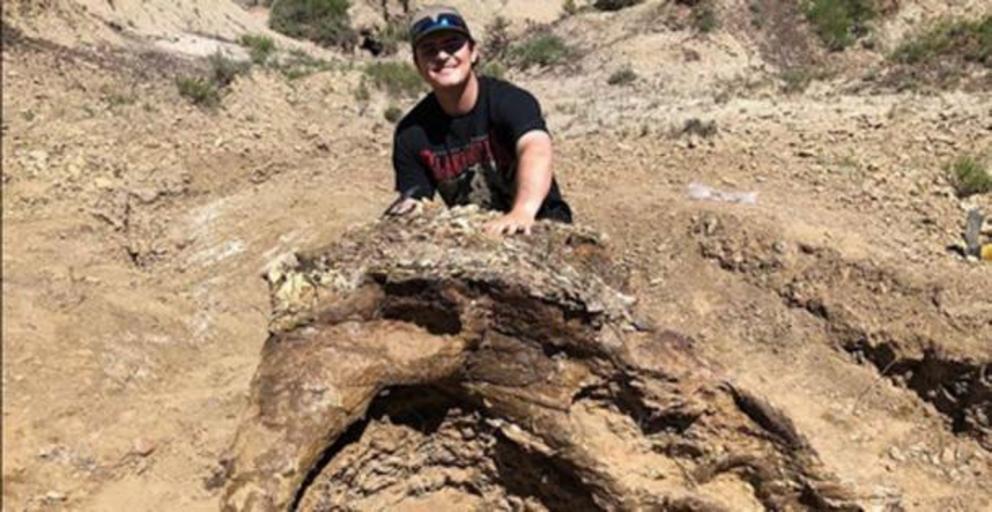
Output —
(471, 159)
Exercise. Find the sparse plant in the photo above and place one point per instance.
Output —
(840, 22)
(396, 78)
(614, 5)
(392, 35)
(299, 64)
(543, 49)
(624, 76)
(497, 39)
(969, 177)
(325, 22)
(795, 80)
(208, 90)
(492, 68)
(362, 93)
(200, 91)
(971, 40)
(569, 7)
(704, 17)
(393, 114)
(224, 70)
(260, 47)
(696, 126)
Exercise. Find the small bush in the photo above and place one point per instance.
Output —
(260, 47)
(704, 18)
(840, 22)
(200, 91)
(971, 40)
(614, 5)
(326, 22)
(540, 50)
(969, 177)
(223, 70)
(497, 39)
(569, 7)
(623, 76)
(796, 80)
(397, 79)
(299, 64)
(491, 68)
(393, 114)
(208, 90)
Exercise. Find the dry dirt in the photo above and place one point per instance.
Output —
(136, 228)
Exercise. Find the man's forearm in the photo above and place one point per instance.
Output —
(533, 173)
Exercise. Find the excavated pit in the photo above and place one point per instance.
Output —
(877, 314)
(418, 363)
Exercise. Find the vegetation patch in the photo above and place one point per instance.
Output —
(542, 49)
(970, 40)
(208, 90)
(624, 76)
(969, 177)
(259, 47)
(299, 64)
(704, 17)
(840, 22)
(325, 22)
(397, 79)
(393, 114)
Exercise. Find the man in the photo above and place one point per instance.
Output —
(475, 140)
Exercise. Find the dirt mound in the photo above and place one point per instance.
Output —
(500, 372)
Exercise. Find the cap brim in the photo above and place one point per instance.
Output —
(435, 30)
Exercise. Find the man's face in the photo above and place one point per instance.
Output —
(445, 59)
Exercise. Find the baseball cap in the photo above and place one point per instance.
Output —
(436, 18)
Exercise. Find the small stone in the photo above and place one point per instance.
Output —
(143, 447)
(896, 454)
(53, 496)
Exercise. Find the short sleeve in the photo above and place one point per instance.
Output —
(517, 112)
(412, 178)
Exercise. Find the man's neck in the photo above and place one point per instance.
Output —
(459, 100)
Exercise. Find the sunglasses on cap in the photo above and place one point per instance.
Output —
(442, 21)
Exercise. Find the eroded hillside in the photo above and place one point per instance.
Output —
(137, 224)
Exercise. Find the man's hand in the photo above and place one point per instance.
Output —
(401, 206)
(510, 224)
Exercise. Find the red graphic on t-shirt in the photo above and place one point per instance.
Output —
(449, 164)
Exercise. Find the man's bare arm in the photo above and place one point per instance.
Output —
(534, 158)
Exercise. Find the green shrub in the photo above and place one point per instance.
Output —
(208, 90)
(393, 114)
(223, 70)
(972, 40)
(569, 7)
(325, 22)
(299, 64)
(968, 177)
(497, 39)
(840, 22)
(623, 76)
(200, 91)
(491, 68)
(796, 80)
(396, 78)
(260, 47)
(541, 50)
(704, 17)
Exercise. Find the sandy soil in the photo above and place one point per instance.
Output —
(136, 227)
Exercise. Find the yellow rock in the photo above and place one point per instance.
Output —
(987, 252)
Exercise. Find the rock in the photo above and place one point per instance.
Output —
(515, 364)
(143, 447)
(896, 454)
